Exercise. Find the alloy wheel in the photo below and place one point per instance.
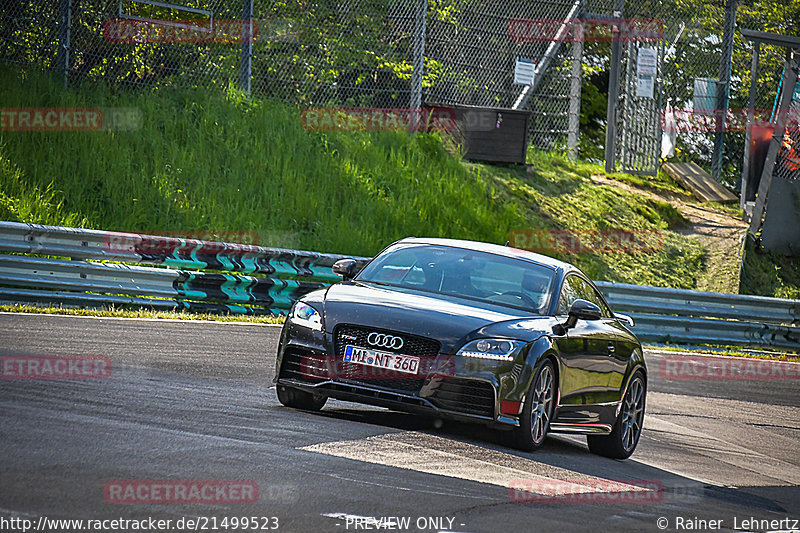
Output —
(541, 407)
(632, 414)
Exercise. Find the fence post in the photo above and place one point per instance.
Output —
(751, 103)
(418, 59)
(64, 23)
(246, 62)
(575, 89)
(723, 88)
(613, 89)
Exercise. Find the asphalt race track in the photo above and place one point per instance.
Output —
(190, 401)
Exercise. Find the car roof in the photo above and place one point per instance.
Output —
(497, 249)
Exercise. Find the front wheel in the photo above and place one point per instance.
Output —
(622, 440)
(537, 411)
(299, 399)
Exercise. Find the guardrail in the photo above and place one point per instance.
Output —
(696, 317)
(244, 279)
(90, 267)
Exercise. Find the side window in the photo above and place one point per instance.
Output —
(590, 294)
(604, 309)
(576, 287)
(571, 290)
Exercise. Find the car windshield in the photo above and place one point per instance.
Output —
(466, 273)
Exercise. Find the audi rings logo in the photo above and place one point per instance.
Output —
(385, 341)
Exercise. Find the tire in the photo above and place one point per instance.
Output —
(622, 440)
(300, 399)
(537, 412)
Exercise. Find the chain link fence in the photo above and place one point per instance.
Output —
(349, 53)
(788, 161)
(471, 55)
(29, 32)
(362, 53)
(694, 54)
(353, 52)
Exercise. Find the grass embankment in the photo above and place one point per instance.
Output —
(219, 163)
(769, 274)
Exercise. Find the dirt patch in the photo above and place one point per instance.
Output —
(720, 234)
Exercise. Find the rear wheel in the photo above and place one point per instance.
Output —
(537, 410)
(299, 399)
(622, 440)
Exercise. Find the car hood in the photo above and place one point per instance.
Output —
(450, 320)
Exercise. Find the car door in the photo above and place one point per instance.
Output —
(587, 364)
(620, 347)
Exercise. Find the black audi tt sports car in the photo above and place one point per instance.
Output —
(471, 331)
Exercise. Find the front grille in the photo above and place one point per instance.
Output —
(412, 344)
(426, 349)
(464, 396)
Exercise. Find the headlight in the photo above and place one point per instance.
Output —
(502, 349)
(305, 315)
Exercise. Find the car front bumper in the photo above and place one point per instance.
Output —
(462, 388)
(452, 387)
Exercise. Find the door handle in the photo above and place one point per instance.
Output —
(611, 348)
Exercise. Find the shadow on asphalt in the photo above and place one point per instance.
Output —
(560, 452)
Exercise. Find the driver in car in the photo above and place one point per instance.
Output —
(535, 288)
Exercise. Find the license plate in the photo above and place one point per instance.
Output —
(385, 360)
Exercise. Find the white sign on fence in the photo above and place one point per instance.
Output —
(524, 71)
(704, 99)
(645, 87)
(647, 62)
(646, 70)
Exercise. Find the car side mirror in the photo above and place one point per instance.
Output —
(347, 268)
(579, 310)
(583, 310)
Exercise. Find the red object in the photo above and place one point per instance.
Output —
(508, 407)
